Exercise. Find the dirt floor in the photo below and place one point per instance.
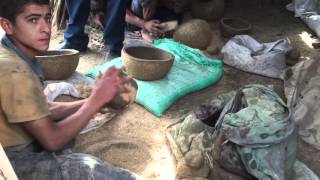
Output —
(135, 139)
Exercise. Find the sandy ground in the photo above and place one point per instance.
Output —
(135, 138)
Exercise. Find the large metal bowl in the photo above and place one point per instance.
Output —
(146, 63)
(59, 64)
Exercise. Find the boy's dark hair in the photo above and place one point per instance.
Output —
(9, 9)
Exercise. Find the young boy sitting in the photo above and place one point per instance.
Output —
(33, 132)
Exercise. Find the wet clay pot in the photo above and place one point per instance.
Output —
(195, 33)
(59, 64)
(122, 100)
(234, 26)
(146, 63)
(207, 9)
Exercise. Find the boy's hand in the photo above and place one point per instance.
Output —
(108, 85)
(152, 26)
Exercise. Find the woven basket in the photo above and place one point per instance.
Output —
(60, 64)
(146, 63)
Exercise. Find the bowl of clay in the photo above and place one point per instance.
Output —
(234, 26)
(146, 63)
(58, 64)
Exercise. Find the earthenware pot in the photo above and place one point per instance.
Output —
(146, 63)
(58, 64)
(234, 26)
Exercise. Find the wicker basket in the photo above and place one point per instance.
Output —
(146, 63)
(60, 64)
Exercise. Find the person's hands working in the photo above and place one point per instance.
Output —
(153, 26)
(108, 85)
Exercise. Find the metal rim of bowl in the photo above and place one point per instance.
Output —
(170, 58)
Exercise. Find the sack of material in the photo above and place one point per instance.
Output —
(308, 11)
(301, 7)
(257, 123)
(245, 53)
(249, 133)
(302, 89)
(190, 72)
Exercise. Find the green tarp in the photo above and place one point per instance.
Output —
(190, 72)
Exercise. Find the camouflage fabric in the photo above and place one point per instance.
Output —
(302, 89)
(257, 122)
(32, 163)
(191, 141)
(251, 136)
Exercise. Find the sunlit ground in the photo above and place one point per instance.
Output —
(164, 170)
(1, 32)
(306, 38)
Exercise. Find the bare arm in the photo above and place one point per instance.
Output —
(61, 110)
(149, 25)
(53, 136)
(134, 20)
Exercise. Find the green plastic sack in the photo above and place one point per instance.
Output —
(190, 72)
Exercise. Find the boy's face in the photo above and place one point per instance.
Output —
(32, 28)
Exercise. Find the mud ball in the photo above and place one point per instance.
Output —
(292, 57)
(194, 159)
(195, 33)
(207, 9)
(123, 99)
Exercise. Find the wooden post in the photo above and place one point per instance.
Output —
(6, 170)
(59, 15)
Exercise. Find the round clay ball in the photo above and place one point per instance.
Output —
(194, 159)
(292, 57)
(122, 100)
(195, 33)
